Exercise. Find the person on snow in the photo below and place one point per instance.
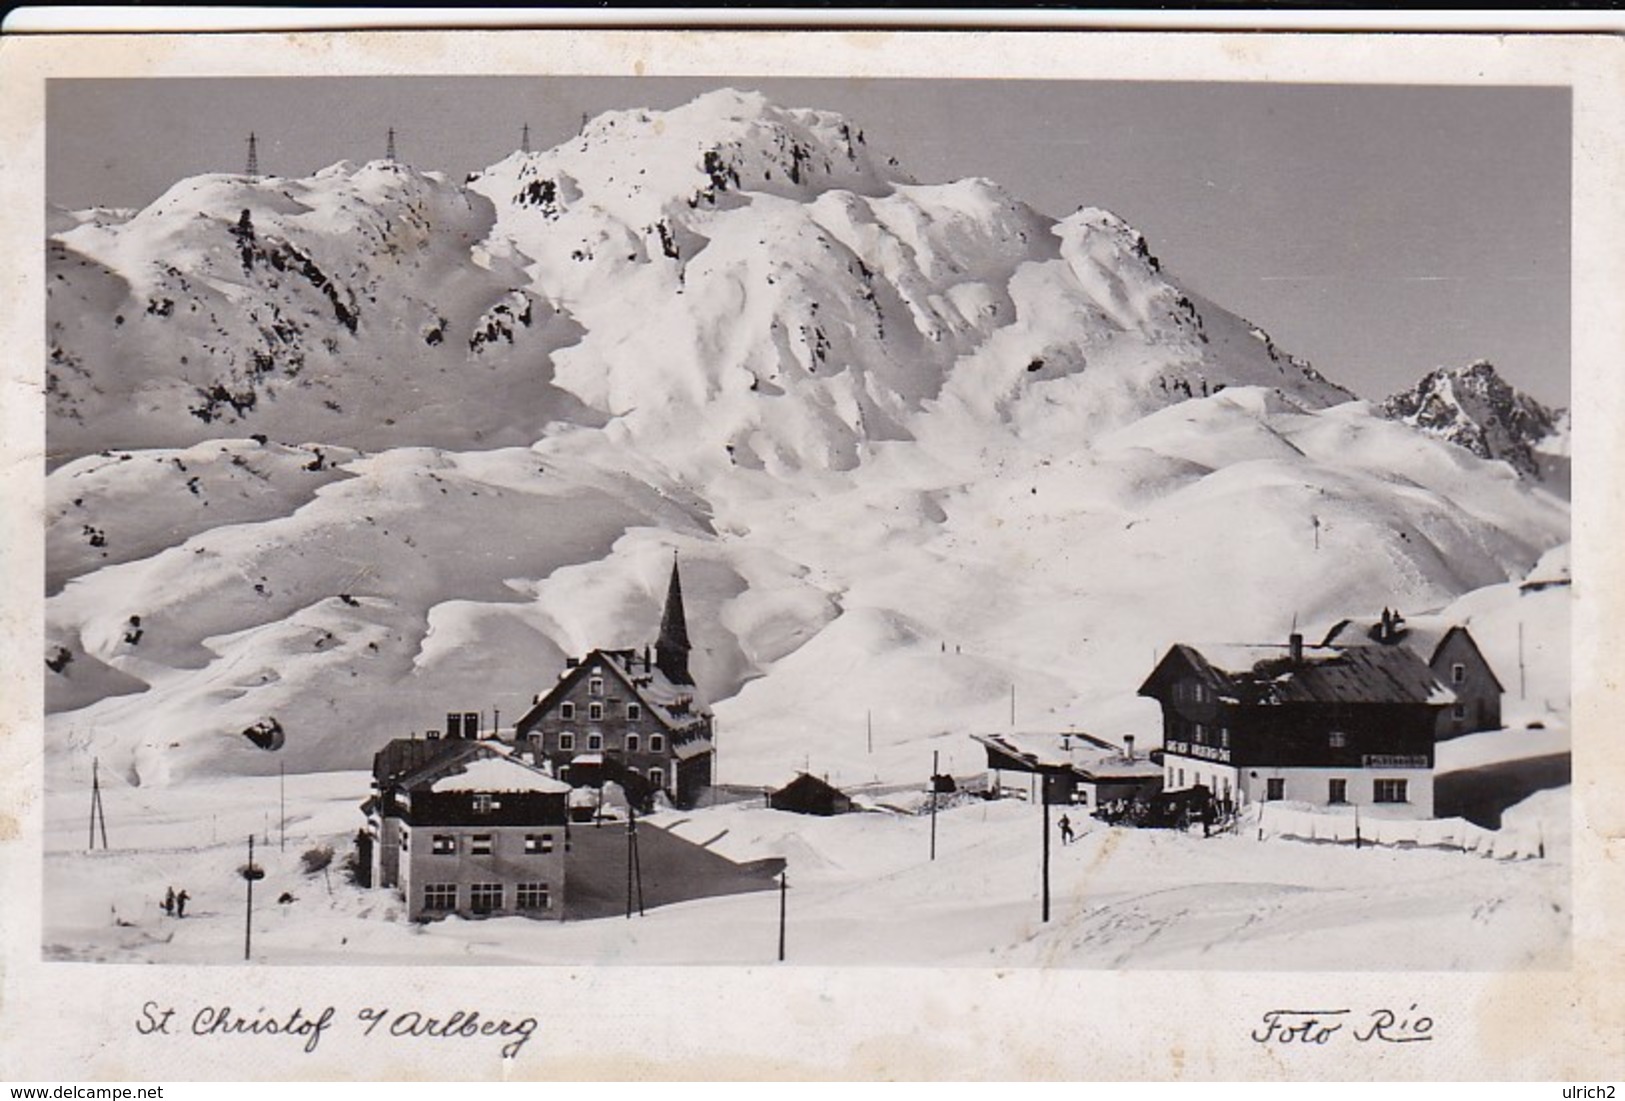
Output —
(169, 902)
(1066, 830)
(180, 904)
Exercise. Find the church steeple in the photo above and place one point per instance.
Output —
(671, 649)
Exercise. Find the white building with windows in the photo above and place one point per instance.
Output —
(464, 827)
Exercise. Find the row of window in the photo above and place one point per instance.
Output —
(595, 710)
(1337, 790)
(595, 741)
(484, 844)
(479, 844)
(485, 898)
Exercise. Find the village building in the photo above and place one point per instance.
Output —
(633, 718)
(807, 794)
(1076, 767)
(461, 826)
(1450, 652)
(1330, 726)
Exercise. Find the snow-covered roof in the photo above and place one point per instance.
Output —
(497, 772)
(1421, 633)
(1322, 674)
(1083, 753)
(587, 759)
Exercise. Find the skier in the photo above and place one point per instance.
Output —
(180, 904)
(1066, 830)
(169, 902)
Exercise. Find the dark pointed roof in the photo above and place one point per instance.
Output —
(671, 648)
(674, 624)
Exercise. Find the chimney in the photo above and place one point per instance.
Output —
(1128, 746)
(1295, 644)
(1066, 741)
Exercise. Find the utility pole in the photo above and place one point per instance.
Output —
(784, 888)
(933, 804)
(250, 874)
(253, 170)
(98, 816)
(1046, 857)
(634, 865)
(282, 799)
(524, 138)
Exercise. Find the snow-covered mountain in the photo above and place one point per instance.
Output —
(353, 451)
(1474, 407)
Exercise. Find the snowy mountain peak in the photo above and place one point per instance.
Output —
(1475, 408)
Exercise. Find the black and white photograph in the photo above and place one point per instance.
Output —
(745, 519)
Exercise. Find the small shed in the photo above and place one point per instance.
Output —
(807, 794)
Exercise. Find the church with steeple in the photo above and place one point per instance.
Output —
(634, 717)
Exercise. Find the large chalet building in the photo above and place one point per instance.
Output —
(1319, 725)
(461, 826)
(1452, 654)
(629, 717)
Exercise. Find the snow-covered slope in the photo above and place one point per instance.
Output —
(1475, 408)
(917, 444)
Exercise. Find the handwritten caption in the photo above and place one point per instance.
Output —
(218, 1021)
(1317, 1027)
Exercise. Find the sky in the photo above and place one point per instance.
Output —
(1378, 231)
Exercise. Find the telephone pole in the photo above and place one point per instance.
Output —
(1045, 799)
(933, 804)
(98, 816)
(784, 888)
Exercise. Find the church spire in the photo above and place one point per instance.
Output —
(671, 649)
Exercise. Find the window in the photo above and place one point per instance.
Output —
(538, 843)
(631, 743)
(1181, 779)
(405, 840)
(657, 777)
(567, 711)
(1224, 736)
(595, 686)
(1458, 711)
(657, 744)
(1275, 788)
(634, 711)
(567, 740)
(1337, 739)
(480, 844)
(595, 741)
(444, 844)
(1389, 791)
(1458, 673)
(595, 711)
(1337, 791)
(440, 897)
(534, 896)
(485, 897)
(482, 804)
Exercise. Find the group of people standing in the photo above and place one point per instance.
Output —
(175, 904)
